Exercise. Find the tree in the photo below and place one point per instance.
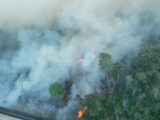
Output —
(105, 61)
(93, 105)
(141, 77)
(118, 70)
(56, 89)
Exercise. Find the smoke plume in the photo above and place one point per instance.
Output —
(48, 41)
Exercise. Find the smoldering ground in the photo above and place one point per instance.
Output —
(41, 40)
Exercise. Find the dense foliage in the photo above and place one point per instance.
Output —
(56, 89)
(129, 91)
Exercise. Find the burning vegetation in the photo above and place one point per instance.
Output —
(127, 92)
(82, 112)
(58, 55)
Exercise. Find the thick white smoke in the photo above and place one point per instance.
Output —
(32, 58)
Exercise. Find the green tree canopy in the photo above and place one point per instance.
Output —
(105, 61)
(56, 89)
(118, 70)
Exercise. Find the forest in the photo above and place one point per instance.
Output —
(81, 59)
(130, 89)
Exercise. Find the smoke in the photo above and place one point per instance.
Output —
(42, 40)
(22, 13)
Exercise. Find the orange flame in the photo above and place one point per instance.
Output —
(80, 60)
(81, 112)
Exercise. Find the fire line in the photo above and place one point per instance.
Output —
(82, 112)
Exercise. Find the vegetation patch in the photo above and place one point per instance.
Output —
(56, 89)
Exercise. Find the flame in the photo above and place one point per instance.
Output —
(81, 112)
(80, 60)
